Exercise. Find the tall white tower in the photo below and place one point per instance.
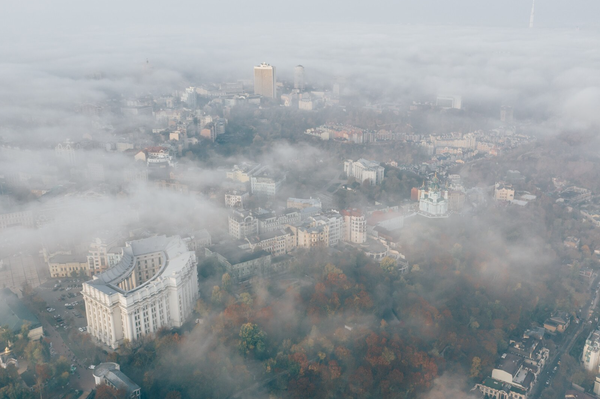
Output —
(532, 14)
(299, 77)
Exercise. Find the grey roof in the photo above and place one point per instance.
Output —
(111, 372)
(174, 251)
(13, 313)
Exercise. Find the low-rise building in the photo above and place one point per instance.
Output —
(504, 192)
(240, 264)
(365, 170)
(242, 224)
(268, 222)
(198, 239)
(110, 374)
(277, 242)
(302, 203)
(243, 172)
(492, 388)
(65, 265)
(266, 182)
(235, 199)
(558, 322)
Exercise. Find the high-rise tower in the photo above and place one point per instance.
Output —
(299, 77)
(264, 80)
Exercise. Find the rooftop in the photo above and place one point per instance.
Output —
(174, 251)
(14, 313)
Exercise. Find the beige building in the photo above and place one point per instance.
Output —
(63, 265)
(235, 199)
(310, 236)
(24, 219)
(355, 226)
(504, 192)
(265, 82)
(242, 224)
(103, 255)
(278, 242)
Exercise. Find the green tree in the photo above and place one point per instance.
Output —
(226, 282)
(246, 298)
(388, 264)
(217, 296)
(475, 367)
(252, 339)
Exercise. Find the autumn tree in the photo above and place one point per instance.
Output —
(252, 340)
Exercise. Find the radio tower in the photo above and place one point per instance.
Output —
(532, 14)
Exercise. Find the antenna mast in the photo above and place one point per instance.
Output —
(532, 15)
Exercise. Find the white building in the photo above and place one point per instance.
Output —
(363, 170)
(242, 224)
(433, 202)
(355, 226)
(154, 285)
(591, 352)
(110, 374)
(335, 226)
(265, 183)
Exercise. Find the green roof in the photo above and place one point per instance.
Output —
(14, 313)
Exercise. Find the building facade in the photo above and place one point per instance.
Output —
(103, 255)
(265, 82)
(363, 170)
(242, 224)
(503, 192)
(299, 77)
(154, 285)
(65, 265)
(110, 374)
(355, 226)
(591, 352)
(433, 203)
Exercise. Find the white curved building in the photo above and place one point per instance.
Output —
(154, 285)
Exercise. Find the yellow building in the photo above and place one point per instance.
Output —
(62, 265)
(504, 192)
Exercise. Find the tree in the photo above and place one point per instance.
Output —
(246, 298)
(475, 367)
(388, 264)
(226, 282)
(217, 296)
(25, 330)
(252, 339)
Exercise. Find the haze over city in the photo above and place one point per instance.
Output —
(300, 199)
